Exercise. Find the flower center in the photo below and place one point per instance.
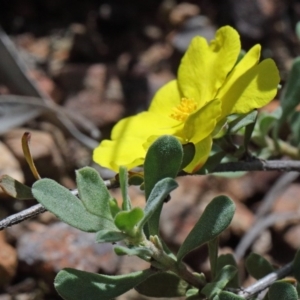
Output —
(184, 109)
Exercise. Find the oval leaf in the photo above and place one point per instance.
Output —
(74, 284)
(257, 266)
(159, 193)
(93, 192)
(224, 260)
(163, 159)
(14, 188)
(67, 207)
(107, 236)
(290, 95)
(215, 219)
(282, 290)
(212, 289)
(126, 220)
(242, 121)
(165, 284)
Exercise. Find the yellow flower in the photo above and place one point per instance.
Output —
(210, 86)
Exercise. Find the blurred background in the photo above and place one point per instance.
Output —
(69, 70)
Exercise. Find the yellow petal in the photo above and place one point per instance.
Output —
(255, 88)
(202, 152)
(201, 123)
(165, 99)
(127, 152)
(204, 67)
(144, 125)
(250, 59)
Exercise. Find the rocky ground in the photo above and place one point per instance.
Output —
(99, 61)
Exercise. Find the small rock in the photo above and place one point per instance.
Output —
(71, 77)
(288, 200)
(44, 150)
(101, 100)
(45, 84)
(48, 249)
(292, 237)
(9, 165)
(95, 77)
(129, 264)
(155, 54)
(263, 243)
(8, 261)
(182, 12)
(242, 219)
(92, 106)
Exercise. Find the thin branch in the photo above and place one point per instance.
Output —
(277, 189)
(37, 209)
(21, 216)
(259, 165)
(260, 219)
(259, 227)
(256, 165)
(266, 281)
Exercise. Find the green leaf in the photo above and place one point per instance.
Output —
(242, 121)
(224, 260)
(188, 154)
(126, 220)
(212, 162)
(123, 178)
(213, 248)
(14, 188)
(67, 207)
(114, 208)
(295, 127)
(193, 294)
(107, 236)
(163, 159)
(229, 296)
(74, 284)
(93, 193)
(258, 266)
(223, 277)
(215, 219)
(265, 122)
(141, 252)
(296, 266)
(220, 129)
(164, 284)
(248, 132)
(290, 96)
(159, 193)
(282, 290)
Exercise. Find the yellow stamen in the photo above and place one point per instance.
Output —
(184, 109)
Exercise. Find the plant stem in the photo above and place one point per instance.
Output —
(266, 281)
(169, 263)
(283, 148)
(213, 247)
